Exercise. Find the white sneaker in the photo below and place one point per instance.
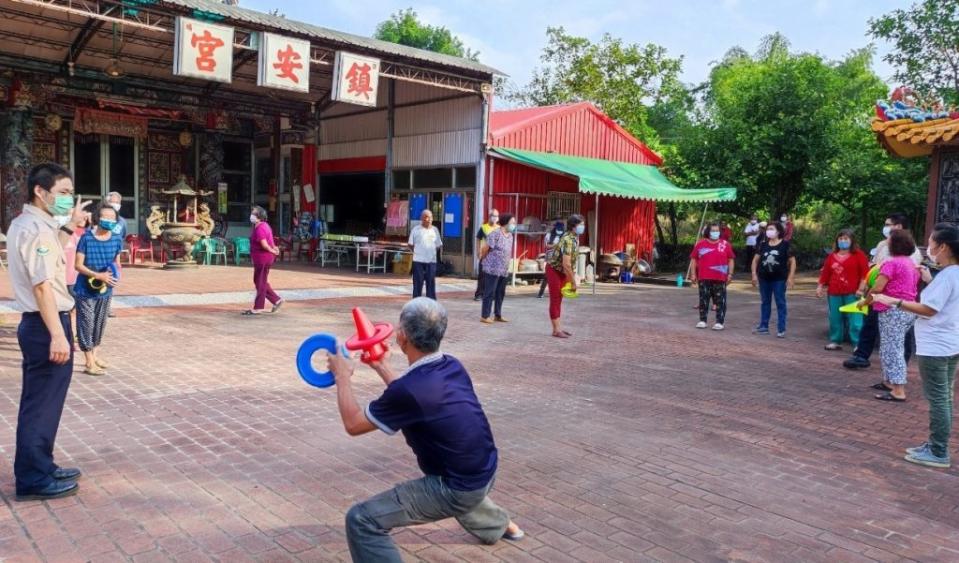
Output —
(718, 326)
(701, 324)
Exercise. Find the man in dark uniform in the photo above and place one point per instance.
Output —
(38, 276)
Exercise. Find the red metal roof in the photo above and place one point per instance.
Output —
(578, 129)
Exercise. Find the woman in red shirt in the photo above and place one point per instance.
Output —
(262, 253)
(711, 266)
(841, 275)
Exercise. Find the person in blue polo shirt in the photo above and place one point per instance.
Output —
(433, 404)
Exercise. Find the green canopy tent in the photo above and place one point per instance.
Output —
(617, 179)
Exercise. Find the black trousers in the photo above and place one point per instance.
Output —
(750, 253)
(424, 272)
(869, 337)
(45, 387)
(494, 291)
(480, 279)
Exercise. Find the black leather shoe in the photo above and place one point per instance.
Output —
(66, 474)
(56, 489)
(856, 362)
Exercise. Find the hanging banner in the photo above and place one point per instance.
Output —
(86, 120)
(221, 197)
(203, 50)
(284, 63)
(355, 79)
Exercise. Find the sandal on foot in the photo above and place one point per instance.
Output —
(560, 334)
(101, 364)
(567, 333)
(95, 370)
(890, 397)
(881, 387)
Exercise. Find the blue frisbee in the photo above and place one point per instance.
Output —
(304, 359)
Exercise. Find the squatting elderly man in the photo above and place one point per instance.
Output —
(434, 405)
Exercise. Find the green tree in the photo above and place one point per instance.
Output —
(404, 27)
(623, 80)
(925, 38)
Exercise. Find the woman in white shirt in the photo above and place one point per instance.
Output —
(937, 343)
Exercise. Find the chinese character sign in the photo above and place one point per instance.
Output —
(284, 63)
(203, 50)
(355, 79)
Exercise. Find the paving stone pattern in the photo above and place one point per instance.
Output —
(639, 439)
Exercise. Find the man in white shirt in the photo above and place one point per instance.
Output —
(752, 235)
(425, 239)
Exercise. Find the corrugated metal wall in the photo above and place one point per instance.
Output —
(438, 134)
(580, 133)
(443, 133)
(621, 220)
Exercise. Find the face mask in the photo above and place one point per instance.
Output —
(933, 257)
(784, 219)
(713, 235)
(752, 222)
(62, 219)
(580, 229)
(493, 220)
(559, 231)
(511, 227)
(772, 233)
(107, 225)
(62, 205)
(253, 219)
(886, 231)
(844, 244)
(115, 206)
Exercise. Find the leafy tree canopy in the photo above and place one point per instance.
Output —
(404, 27)
(925, 40)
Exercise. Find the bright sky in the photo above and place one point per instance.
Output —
(510, 35)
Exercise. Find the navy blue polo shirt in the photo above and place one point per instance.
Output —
(435, 407)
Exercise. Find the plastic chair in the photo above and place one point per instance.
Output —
(138, 249)
(217, 247)
(241, 246)
(285, 245)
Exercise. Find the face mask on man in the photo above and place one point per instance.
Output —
(886, 231)
(62, 220)
(115, 206)
(493, 220)
(62, 204)
(752, 221)
(772, 233)
(511, 227)
(843, 244)
(107, 225)
(580, 229)
(714, 235)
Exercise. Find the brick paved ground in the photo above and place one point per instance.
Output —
(639, 439)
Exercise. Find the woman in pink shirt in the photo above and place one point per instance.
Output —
(899, 279)
(262, 254)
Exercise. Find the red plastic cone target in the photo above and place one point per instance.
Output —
(369, 337)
